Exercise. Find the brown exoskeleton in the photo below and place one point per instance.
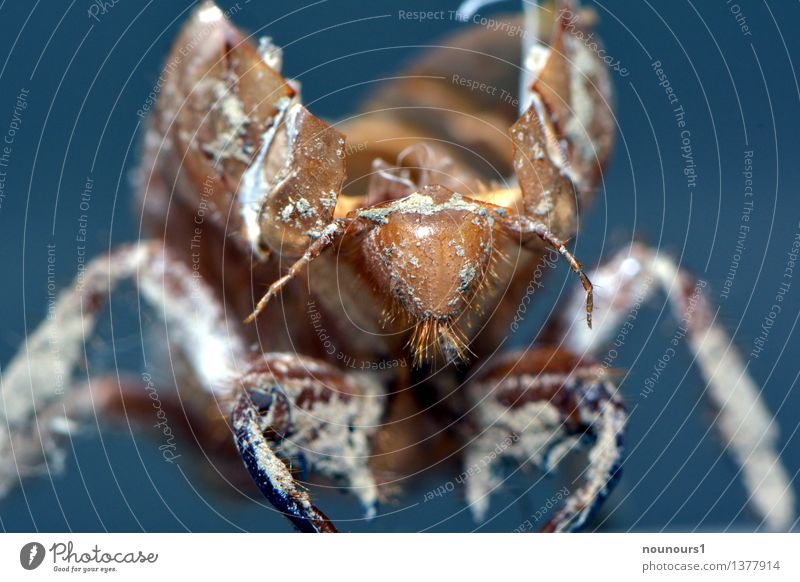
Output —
(279, 256)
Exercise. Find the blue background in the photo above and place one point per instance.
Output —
(87, 79)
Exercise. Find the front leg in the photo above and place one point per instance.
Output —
(295, 408)
(538, 406)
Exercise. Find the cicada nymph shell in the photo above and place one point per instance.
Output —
(231, 129)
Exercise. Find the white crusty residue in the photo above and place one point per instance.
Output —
(417, 203)
(256, 186)
(270, 53)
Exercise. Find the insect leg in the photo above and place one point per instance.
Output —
(328, 237)
(538, 406)
(38, 385)
(524, 229)
(295, 409)
(749, 431)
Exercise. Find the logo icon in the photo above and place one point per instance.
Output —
(31, 555)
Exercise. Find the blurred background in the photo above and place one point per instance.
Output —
(85, 68)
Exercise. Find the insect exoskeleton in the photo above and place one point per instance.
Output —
(430, 254)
